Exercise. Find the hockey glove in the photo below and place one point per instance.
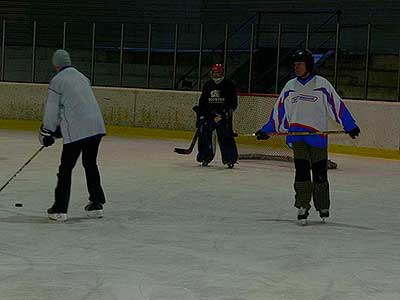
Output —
(57, 134)
(217, 119)
(354, 132)
(260, 135)
(200, 121)
(45, 137)
(196, 109)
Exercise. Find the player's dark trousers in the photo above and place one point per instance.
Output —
(309, 160)
(89, 148)
(226, 141)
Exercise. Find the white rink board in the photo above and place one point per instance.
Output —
(176, 231)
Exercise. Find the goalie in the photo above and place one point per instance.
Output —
(305, 105)
(217, 102)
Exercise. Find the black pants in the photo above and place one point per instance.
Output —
(226, 141)
(314, 159)
(89, 148)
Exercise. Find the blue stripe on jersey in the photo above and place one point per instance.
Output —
(329, 98)
(271, 126)
(348, 122)
(345, 117)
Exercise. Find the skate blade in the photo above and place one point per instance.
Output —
(303, 222)
(95, 214)
(57, 217)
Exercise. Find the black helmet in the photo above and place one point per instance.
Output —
(306, 56)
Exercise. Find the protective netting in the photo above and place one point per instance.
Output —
(252, 113)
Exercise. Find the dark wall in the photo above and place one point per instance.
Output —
(171, 11)
(383, 14)
(356, 11)
(186, 11)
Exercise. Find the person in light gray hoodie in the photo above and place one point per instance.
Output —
(72, 112)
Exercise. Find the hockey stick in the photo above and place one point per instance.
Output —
(20, 169)
(299, 133)
(190, 149)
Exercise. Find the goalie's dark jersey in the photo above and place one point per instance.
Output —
(217, 98)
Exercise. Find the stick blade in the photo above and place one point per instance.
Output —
(182, 151)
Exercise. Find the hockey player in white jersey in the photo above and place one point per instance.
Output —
(72, 112)
(305, 105)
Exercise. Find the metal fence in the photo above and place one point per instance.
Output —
(178, 56)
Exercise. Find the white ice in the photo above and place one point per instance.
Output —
(176, 231)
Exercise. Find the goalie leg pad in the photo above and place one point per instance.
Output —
(227, 143)
(206, 143)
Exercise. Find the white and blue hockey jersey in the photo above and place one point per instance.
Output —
(305, 105)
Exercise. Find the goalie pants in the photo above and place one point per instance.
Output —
(314, 159)
(209, 131)
(89, 148)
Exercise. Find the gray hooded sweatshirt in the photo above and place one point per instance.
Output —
(72, 105)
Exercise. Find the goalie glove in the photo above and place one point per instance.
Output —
(196, 109)
(226, 115)
(200, 121)
(46, 137)
(217, 118)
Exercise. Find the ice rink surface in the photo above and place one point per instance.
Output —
(176, 231)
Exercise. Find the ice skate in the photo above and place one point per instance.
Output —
(94, 210)
(302, 215)
(230, 165)
(204, 163)
(323, 214)
(56, 216)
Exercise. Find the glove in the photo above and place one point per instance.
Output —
(57, 134)
(45, 137)
(217, 119)
(354, 132)
(260, 135)
(199, 118)
(200, 121)
(196, 109)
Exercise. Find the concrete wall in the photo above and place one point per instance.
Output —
(379, 121)
(147, 108)
(120, 106)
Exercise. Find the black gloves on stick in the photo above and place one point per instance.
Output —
(261, 135)
(46, 137)
(354, 132)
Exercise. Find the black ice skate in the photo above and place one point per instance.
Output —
(230, 165)
(302, 215)
(94, 210)
(204, 163)
(323, 214)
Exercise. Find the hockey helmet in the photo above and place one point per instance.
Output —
(217, 72)
(305, 56)
(217, 68)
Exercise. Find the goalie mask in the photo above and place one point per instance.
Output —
(217, 72)
(305, 56)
